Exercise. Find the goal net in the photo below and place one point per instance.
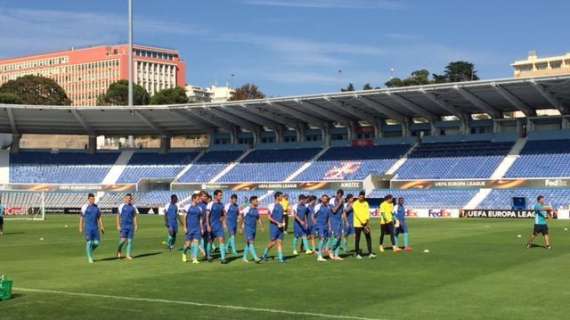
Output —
(24, 205)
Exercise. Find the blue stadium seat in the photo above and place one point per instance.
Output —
(64, 167)
(353, 163)
(502, 198)
(430, 199)
(454, 160)
(269, 165)
(542, 158)
(155, 166)
(209, 165)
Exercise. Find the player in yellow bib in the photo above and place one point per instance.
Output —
(387, 225)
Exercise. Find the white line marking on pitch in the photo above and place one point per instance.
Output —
(197, 304)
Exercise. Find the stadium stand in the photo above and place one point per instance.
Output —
(64, 167)
(430, 199)
(542, 158)
(155, 165)
(353, 163)
(502, 198)
(454, 160)
(269, 165)
(209, 165)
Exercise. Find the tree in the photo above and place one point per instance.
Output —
(34, 90)
(394, 83)
(170, 96)
(458, 71)
(118, 95)
(367, 87)
(9, 98)
(248, 91)
(350, 87)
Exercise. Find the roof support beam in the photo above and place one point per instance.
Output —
(232, 119)
(300, 116)
(350, 109)
(239, 112)
(149, 123)
(513, 100)
(443, 104)
(482, 105)
(217, 122)
(411, 106)
(276, 117)
(379, 107)
(83, 123)
(324, 112)
(549, 97)
(186, 114)
(12, 119)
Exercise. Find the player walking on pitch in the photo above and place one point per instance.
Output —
(171, 220)
(401, 224)
(91, 224)
(250, 221)
(193, 228)
(217, 222)
(301, 225)
(361, 224)
(276, 216)
(232, 215)
(127, 225)
(541, 215)
(323, 212)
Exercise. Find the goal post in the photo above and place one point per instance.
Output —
(24, 205)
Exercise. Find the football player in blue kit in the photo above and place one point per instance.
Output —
(193, 228)
(232, 216)
(276, 216)
(323, 211)
(301, 225)
(91, 224)
(171, 220)
(217, 222)
(127, 225)
(250, 221)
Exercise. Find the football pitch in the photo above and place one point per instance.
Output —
(475, 269)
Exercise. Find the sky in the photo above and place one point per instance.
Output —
(295, 47)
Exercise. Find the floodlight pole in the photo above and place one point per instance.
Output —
(131, 73)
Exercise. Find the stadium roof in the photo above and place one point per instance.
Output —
(430, 101)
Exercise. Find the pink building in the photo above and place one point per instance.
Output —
(87, 73)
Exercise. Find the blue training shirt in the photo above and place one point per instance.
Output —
(127, 213)
(216, 210)
(232, 212)
(193, 216)
(540, 214)
(91, 215)
(323, 214)
(250, 217)
(276, 211)
(172, 214)
(401, 213)
(1, 210)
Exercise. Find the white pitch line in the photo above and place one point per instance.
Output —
(197, 304)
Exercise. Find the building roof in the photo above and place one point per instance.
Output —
(430, 101)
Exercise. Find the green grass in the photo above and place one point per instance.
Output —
(475, 269)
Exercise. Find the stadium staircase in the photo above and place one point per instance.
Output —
(118, 167)
(509, 160)
(478, 198)
(231, 166)
(401, 161)
(306, 165)
(4, 166)
(183, 172)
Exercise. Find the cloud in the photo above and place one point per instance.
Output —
(330, 4)
(304, 52)
(35, 31)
